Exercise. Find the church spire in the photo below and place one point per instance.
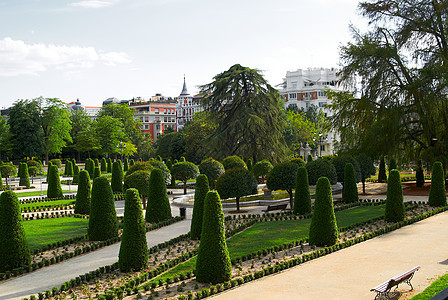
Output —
(184, 89)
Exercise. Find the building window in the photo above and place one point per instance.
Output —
(321, 104)
(322, 147)
(146, 127)
(158, 127)
(293, 96)
(294, 84)
(146, 119)
(321, 94)
(165, 119)
(156, 110)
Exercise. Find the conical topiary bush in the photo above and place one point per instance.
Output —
(395, 211)
(82, 204)
(109, 165)
(200, 192)
(302, 197)
(14, 251)
(392, 164)
(96, 172)
(54, 183)
(48, 169)
(133, 249)
(437, 191)
(69, 168)
(96, 163)
(75, 173)
(24, 176)
(382, 176)
(131, 163)
(213, 262)
(158, 205)
(90, 167)
(103, 165)
(323, 228)
(1, 182)
(126, 164)
(419, 175)
(350, 191)
(117, 178)
(103, 224)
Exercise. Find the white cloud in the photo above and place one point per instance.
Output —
(18, 58)
(93, 3)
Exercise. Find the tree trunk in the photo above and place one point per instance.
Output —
(185, 187)
(363, 187)
(237, 203)
(291, 200)
(46, 157)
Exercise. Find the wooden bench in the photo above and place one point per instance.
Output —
(275, 207)
(384, 288)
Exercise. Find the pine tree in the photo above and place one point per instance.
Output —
(395, 211)
(158, 205)
(54, 183)
(200, 192)
(213, 262)
(302, 198)
(350, 191)
(82, 204)
(437, 191)
(117, 178)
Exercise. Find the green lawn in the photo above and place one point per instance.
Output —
(47, 203)
(436, 287)
(47, 231)
(36, 193)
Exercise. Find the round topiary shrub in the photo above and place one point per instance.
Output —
(139, 166)
(139, 180)
(298, 161)
(323, 228)
(183, 171)
(212, 168)
(165, 171)
(437, 191)
(350, 191)
(96, 172)
(7, 170)
(237, 182)
(133, 255)
(158, 206)
(395, 211)
(420, 175)
(309, 158)
(262, 169)
(24, 176)
(339, 163)
(82, 204)
(117, 178)
(54, 183)
(103, 224)
(382, 176)
(283, 177)
(321, 168)
(302, 198)
(56, 162)
(14, 251)
(232, 162)
(200, 192)
(103, 165)
(213, 263)
(37, 164)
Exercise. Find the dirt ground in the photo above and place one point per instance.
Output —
(409, 189)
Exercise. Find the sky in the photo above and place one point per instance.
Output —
(97, 49)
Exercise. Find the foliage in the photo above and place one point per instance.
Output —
(81, 132)
(262, 168)
(68, 168)
(139, 166)
(419, 174)
(7, 170)
(138, 180)
(103, 165)
(392, 164)
(300, 130)
(109, 165)
(382, 177)
(96, 172)
(109, 133)
(350, 191)
(24, 175)
(251, 124)
(1, 182)
(236, 182)
(323, 228)
(183, 171)
(54, 183)
(309, 158)
(200, 192)
(83, 196)
(158, 206)
(90, 166)
(131, 163)
(233, 161)
(170, 145)
(126, 164)
(302, 198)
(117, 178)
(298, 161)
(37, 164)
(321, 168)
(14, 251)
(6, 145)
(437, 191)
(76, 173)
(103, 223)
(395, 211)
(213, 248)
(133, 255)
(165, 171)
(283, 177)
(339, 163)
(56, 162)
(212, 168)
(249, 164)
(367, 169)
(96, 162)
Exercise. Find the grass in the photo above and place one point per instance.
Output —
(47, 203)
(47, 231)
(35, 193)
(436, 287)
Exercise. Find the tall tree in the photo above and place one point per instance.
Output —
(109, 132)
(81, 125)
(5, 138)
(248, 115)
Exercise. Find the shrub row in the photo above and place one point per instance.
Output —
(49, 215)
(403, 178)
(47, 208)
(45, 199)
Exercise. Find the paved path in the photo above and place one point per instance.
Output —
(57, 274)
(350, 273)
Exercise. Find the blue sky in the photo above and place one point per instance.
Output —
(96, 49)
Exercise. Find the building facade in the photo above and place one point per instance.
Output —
(304, 88)
(187, 106)
(156, 117)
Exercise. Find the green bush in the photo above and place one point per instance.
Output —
(298, 161)
(131, 163)
(437, 191)
(262, 168)
(339, 163)
(109, 165)
(283, 177)
(165, 171)
(103, 165)
(75, 173)
(54, 183)
(56, 162)
(183, 171)
(321, 168)
(392, 164)
(48, 169)
(420, 175)
(82, 204)
(232, 162)
(395, 211)
(367, 169)
(24, 176)
(158, 206)
(14, 251)
(68, 168)
(96, 163)
(37, 164)
(323, 228)
(126, 164)
(117, 178)
(236, 182)
(249, 164)
(200, 192)
(302, 198)
(139, 180)
(1, 182)
(90, 167)
(96, 172)
(213, 263)
(350, 191)
(139, 166)
(133, 255)
(309, 158)
(382, 176)
(7, 170)
(212, 168)
(103, 224)
(169, 164)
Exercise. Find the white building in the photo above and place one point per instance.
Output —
(304, 88)
(186, 107)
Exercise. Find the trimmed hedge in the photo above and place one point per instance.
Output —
(14, 251)
(96, 172)
(382, 177)
(68, 169)
(126, 164)
(321, 168)
(109, 165)
(165, 171)
(103, 222)
(350, 191)
(395, 211)
(298, 161)
(54, 183)
(437, 191)
(133, 255)
(35, 163)
(200, 192)
(103, 165)
(90, 166)
(75, 173)
(117, 178)
(323, 228)
(309, 158)
(213, 263)
(158, 205)
(212, 168)
(233, 161)
(24, 176)
(340, 162)
(420, 175)
(392, 164)
(131, 163)
(83, 196)
(140, 181)
(302, 198)
(283, 177)
(262, 168)
(237, 182)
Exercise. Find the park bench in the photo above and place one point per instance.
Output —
(384, 288)
(275, 207)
